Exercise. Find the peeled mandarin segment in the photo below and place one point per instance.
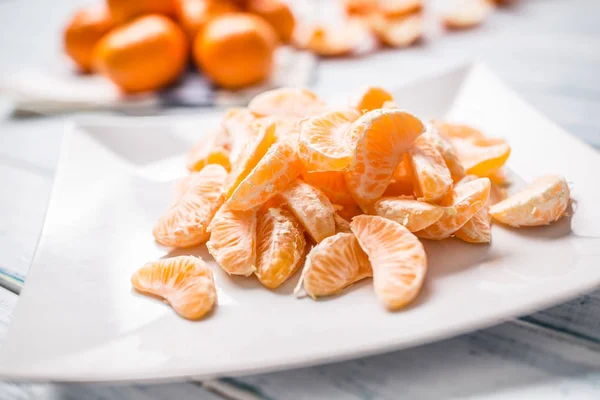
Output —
(214, 148)
(186, 283)
(280, 246)
(478, 229)
(397, 257)
(253, 152)
(321, 143)
(233, 240)
(185, 223)
(466, 14)
(414, 215)
(399, 8)
(466, 201)
(430, 173)
(287, 102)
(331, 183)
(331, 40)
(402, 183)
(456, 131)
(371, 98)
(397, 31)
(285, 127)
(312, 208)
(238, 125)
(379, 140)
(271, 175)
(544, 201)
(448, 153)
(359, 7)
(334, 264)
(499, 177)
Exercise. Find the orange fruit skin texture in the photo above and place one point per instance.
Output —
(430, 173)
(379, 139)
(397, 257)
(271, 175)
(235, 50)
(193, 15)
(312, 208)
(186, 283)
(333, 265)
(280, 246)
(371, 98)
(321, 143)
(232, 240)
(185, 223)
(332, 183)
(545, 200)
(83, 31)
(397, 32)
(213, 148)
(145, 54)
(276, 13)
(466, 201)
(414, 215)
(126, 10)
(287, 102)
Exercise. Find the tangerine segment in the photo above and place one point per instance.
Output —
(186, 283)
(253, 152)
(544, 201)
(280, 246)
(331, 183)
(379, 140)
(214, 148)
(414, 215)
(287, 102)
(185, 223)
(466, 14)
(333, 265)
(371, 98)
(397, 257)
(466, 200)
(233, 240)
(430, 173)
(399, 8)
(238, 125)
(456, 131)
(359, 7)
(312, 208)
(330, 41)
(285, 127)
(478, 229)
(273, 174)
(398, 31)
(402, 181)
(321, 142)
(448, 153)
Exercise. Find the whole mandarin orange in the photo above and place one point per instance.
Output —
(145, 54)
(236, 50)
(194, 14)
(83, 31)
(125, 10)
(278, 14)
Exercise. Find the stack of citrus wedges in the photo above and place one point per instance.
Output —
(342, 193)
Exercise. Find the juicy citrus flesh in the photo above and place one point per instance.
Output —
(430, 173)
(280, 246)
(213, 148)
(397, 32)
(397, 257)
(289, 102)
(312, 208)
(333, 265)
(186, 283)
(379, 140)
(185, 223)
(413, 214)
(478, 229)
(447, 151)
(371, 98)
(466, 200)
(332, 183)
(321, 143)
(232, 240)
(278, 168)
(402, 183)
(466, 14)
(544, 201)
(238, 125)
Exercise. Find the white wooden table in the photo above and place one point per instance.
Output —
(548, 50)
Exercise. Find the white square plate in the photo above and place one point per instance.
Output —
(78, 318)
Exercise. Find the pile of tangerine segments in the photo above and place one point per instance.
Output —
(344, 194)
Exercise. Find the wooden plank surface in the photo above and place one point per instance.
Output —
(545, 49)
